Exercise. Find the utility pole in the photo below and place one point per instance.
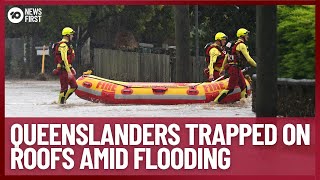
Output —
(182, 33)
(266, 86)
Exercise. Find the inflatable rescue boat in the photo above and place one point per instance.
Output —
(97, 89)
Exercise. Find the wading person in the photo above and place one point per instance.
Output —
(235, 63)
(63, 57)
(215, 56)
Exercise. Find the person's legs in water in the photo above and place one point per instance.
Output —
(233, 81)
(61, 99)
(73, 87)
(64, 86)
(242, 85)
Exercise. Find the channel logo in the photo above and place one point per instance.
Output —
(15, 15)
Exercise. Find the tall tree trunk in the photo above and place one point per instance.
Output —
(197, 61)
(182, 33)
(266, 102)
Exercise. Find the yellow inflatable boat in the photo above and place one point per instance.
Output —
(97, 89)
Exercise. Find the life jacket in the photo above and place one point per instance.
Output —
(236, 57)
(220, 58)
(57, 53)
(229, 46)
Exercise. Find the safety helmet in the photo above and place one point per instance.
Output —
(67, 31)
(220, 36)
(242, 32)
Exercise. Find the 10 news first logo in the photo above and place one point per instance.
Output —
(30, 15)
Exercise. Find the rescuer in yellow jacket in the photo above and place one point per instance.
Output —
(235, 63)
(64, 56)
(215, 55)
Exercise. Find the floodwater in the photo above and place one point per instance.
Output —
(39, 99)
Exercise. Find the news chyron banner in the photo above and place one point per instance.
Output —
(154, 146)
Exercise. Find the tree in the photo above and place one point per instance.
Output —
(266, 83)
(160, 29)
(53, 20)
(46, 32)
(183, 60)
(151, 24)
(296, 41)
(227, 19)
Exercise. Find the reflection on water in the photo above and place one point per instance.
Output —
(39, 99)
